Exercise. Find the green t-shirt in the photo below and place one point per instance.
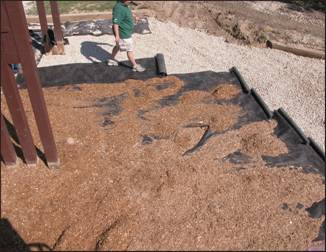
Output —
(122, 16)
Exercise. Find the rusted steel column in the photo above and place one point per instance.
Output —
(7, 150)
(57, 26)
(26, 55)
(7, 46)
(9, 87)
(44, 24)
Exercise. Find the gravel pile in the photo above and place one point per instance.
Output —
(283, 80)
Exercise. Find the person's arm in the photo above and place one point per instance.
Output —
(117, 18)
(135, 16)
(116, 32)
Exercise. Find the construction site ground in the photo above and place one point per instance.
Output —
(241, 22)
(124, 181)
(129, 178)
(283, 80)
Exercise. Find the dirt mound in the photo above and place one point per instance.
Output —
(260, 143)
(249, 23)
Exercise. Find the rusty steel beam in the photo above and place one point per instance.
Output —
(44, 25)
(6, 38)
(57, 26)
(23, 41)
(15, 105)
(7, 150)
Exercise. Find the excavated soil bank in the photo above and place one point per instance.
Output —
(125, 182)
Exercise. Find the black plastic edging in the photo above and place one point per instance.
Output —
(261, 103)
(293, 125)
(316, 148)
(243, 83)
(160, 64)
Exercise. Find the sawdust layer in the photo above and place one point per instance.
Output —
(124, 183)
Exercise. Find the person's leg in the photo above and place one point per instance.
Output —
(115, 51)
(131, 57)
(111, 60)
(128, 44)
(130, 53)
(135, 67)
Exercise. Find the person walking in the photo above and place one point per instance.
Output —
(122, 19)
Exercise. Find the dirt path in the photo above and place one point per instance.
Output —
(250, 23)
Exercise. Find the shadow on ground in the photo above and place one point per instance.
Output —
(19, 152)
(91, 50)
(78, 73)
(11, 241)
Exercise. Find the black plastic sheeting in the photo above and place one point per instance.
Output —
(101, 27)
(160, 64)
(316, 211)
(61, 75)
(289, 120)
(96, 27)
(261, 103)
(93, 27)
(37, 44)
(242, 82)
(301, 153)
(37, 40)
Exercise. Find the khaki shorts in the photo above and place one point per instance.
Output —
(125, 45)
